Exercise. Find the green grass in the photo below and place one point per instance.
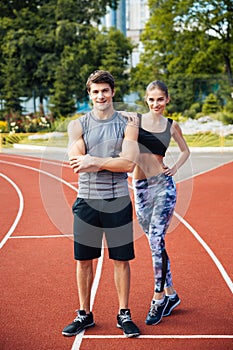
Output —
(52, 142)
(207, 140)
(8, 140)
(197, 140)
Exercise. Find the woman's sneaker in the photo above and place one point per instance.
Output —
(156, 312)
(172, 303)
(81, 322)
(125, 322)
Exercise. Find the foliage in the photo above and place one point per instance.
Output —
(18, 123)
(194, 109)
(229, 106)
(49, 47)
(206, 139)
(10, 139)
(3, 126)
(225, 117)
(210, 105)
(101, 51)
(116, 48)
(188, 45)
(61, 124)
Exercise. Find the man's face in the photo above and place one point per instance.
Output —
(101, 95)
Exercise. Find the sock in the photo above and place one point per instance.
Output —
(158, 302)
(171, 296)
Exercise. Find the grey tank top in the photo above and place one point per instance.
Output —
(103, 138)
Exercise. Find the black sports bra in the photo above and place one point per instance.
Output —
(154, 142)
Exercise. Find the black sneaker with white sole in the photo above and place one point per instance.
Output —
(125, 322)
(81, 322)
(172, 303)
(156, 312)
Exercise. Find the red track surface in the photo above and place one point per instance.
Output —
(38, 288)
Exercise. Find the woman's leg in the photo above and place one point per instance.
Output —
(160, 219)
(154, 207)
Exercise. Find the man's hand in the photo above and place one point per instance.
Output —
(132, 117)
(83, 164)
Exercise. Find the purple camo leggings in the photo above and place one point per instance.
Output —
(155, 199)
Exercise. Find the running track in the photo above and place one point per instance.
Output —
(38, 290)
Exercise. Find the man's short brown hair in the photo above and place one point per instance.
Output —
(100, 76)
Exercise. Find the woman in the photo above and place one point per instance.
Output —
(155, 193)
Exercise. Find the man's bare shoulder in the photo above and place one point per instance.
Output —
(74, 128)
(73, 124)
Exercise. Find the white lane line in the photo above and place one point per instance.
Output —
(79, 337)
(204, 172)
(41, 160)
(32, 237)
(176, 336)
(209, 251)
(40, 171)
(19, 214)
(218, 264)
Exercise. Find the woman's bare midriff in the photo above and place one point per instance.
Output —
(148, 165)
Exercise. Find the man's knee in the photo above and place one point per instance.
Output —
(83, 264)
(121, 265)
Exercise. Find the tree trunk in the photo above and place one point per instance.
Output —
(228, 69)
(41, 106)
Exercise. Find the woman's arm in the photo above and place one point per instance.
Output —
(184, 150)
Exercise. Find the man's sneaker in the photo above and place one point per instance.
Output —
(156, 311)
(81, 322)
(126, 324)
(172, 303)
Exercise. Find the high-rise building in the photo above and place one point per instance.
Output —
(130, 17)
(116, 18)
(137, 15)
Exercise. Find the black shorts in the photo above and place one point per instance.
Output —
(93, 217)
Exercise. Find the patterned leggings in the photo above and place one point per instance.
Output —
(155, 199)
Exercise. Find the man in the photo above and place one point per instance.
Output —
(102, 149)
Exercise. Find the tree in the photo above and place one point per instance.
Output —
(39, 34)
(215, 19)
(116, 50)
(97, 50)
(11, 91)
(62, 102)
(211, 104)
(189, 44)
(18, 27)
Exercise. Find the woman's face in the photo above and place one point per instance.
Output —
(157, 100)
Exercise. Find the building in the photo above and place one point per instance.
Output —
(137, 16)
(130, 17)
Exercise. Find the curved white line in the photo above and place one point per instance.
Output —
(40, 171)
(41, 160)
(79, 337)
(94, 288)
(209, 251)
(204, 171)
(19, 214)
